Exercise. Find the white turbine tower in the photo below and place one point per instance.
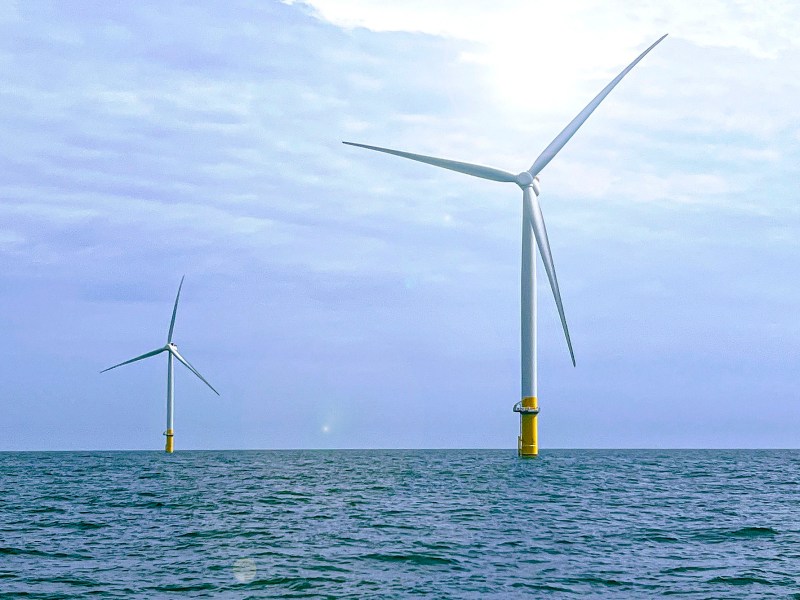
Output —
(172, 351)
(532, 222)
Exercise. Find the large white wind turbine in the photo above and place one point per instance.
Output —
(532, 221)
(172, 351)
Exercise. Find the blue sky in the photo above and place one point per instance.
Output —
(341, 298)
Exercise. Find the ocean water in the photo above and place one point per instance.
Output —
(400, 524)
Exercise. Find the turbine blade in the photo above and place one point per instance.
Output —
(563, 137)
(174, 311)
(540, 232)
(453, 165)
(177, 355)
(142, 357)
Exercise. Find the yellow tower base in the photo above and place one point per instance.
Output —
(528, 441)
(170, 434)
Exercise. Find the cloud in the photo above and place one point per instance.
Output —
(726, 68)
(144, 141)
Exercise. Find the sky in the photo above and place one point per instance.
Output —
(339, 298)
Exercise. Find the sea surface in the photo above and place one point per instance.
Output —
(400, 524)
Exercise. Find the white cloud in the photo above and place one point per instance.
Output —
(727, 67)
(530, 47)
(761, 29)
(9, 11)
(212, 146)
(10, 239)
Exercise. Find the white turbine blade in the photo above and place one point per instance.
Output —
(540, 232)
(453, 165)
(563, 137)
(142, 357)
(174, 311)
(177, 355)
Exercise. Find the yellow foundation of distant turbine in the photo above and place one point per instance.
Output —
(170, 435)
(528, 441)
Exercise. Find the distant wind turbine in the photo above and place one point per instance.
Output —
(532, 221)
(172, 351)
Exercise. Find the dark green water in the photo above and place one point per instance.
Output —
(397, 524)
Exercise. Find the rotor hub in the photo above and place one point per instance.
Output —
(524, 179)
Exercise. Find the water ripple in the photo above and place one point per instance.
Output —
(399, 524)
